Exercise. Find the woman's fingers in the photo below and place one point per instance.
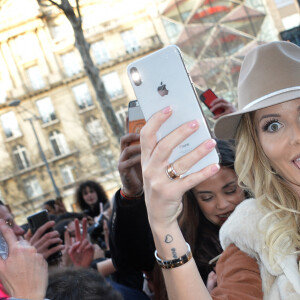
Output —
(183, 164)
(193, 179)
(148, 132)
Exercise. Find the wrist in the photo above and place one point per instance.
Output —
(131, 196)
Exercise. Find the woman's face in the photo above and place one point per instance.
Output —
(219, 195)
(278, 129)
(89, 196)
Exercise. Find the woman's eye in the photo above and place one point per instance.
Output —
(206, 198)
(272, 126)
(232, 191)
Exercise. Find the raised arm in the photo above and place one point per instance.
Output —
(131, 241)
(164, 201)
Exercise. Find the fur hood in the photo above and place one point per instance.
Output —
(243, 228)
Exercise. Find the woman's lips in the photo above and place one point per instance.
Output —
(224, 216)
(297, 162)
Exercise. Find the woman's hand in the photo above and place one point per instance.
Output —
(163, 195)
(24, 274)
(130, 165)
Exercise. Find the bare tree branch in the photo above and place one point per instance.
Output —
(78, 12)
(40, 2)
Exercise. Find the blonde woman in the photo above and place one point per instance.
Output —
(261, 238)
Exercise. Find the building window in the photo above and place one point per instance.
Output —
(35, 77)
(113, 85)
(95, 130)
(82, 95)
(20, 156)
(10, 125)
(99, 52)
(32, 187)
(283, 3)
(107, 160)
(71, 63)
(67, 174)
(122, 115)
(26, 47)
(130, 42)
(61, 31)
(46, 110)
(58, 143)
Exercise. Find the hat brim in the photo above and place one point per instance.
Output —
(226, 126)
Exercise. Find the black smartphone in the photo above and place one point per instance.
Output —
(207, 97)
(37, 220)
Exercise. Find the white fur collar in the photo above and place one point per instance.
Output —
(242, 229)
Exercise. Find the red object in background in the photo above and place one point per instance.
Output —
(2, 293)
(207, 98)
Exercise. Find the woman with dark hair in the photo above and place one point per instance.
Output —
(205, 208)
(89, 195)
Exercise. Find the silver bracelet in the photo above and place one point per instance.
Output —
(174, 263)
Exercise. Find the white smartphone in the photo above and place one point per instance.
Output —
(160, 80)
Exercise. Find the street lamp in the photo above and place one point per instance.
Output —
(42, 154)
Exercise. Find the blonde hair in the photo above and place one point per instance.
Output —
(270, 190)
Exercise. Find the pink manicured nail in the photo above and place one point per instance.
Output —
(194, 124)
(215, 168)
(167, 110)
(210, 144)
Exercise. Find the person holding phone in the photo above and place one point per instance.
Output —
(39, 239)
(261, 237)
(206, 208)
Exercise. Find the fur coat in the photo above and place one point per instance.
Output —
(280, 281)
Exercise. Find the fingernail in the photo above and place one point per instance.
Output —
(167, 110)
(210, 144)
(215, 168)
(194, 124)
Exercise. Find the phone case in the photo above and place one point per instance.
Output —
(207, 97)
(160, 80)
(136, 118)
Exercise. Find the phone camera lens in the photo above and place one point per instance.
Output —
(135, 75)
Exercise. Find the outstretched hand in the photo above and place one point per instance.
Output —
(130, 165)
(24, 274)
(81, 251)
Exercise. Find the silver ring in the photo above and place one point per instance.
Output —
(171, 173)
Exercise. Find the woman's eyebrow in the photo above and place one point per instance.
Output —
(204, 192)
(228, 184)
(269, 116)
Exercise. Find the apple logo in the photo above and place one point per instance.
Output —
(162, 90)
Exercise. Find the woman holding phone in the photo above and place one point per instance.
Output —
(206, 208)
(261, 238)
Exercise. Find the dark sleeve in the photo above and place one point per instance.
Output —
(131, 242)
(238, 277)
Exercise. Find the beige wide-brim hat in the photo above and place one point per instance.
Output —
(270, 74)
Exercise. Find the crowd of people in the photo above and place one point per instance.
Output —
(229, 231)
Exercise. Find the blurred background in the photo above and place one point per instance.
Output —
(64, 89)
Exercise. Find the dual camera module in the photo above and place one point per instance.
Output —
(135, 75)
